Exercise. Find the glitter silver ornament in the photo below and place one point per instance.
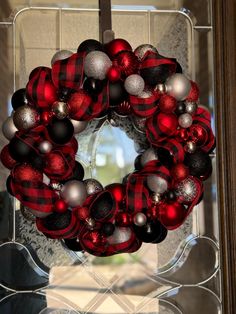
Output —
(61, 55)
(140, 219)
(190, 107)
(120, 235)
(185, 120)
(8, 128)
(25, 118)
(96, 65)
(190, 147)
(139, 124)
(92, 186)
(90, 223)
(146, 93)
(156, 198)
(79, 126)
(74, 193)
(161, 88)
(142, 49)
(148, 155)
(157, 184)
(45, 147)
(186, 190)
(178, 86)
(134, 84)
(60, 109)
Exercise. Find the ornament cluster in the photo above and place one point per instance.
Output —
(58, 103)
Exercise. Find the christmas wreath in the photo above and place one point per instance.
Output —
(59, 102)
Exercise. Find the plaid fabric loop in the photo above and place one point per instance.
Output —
(152, 59)
(144, 107)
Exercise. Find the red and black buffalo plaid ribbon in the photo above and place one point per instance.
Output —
(175, 149)
(144, 107)
(152, 59)
(69, 72)
(40, 90)
(137, 194)
(203, 118)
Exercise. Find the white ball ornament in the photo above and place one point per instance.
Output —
(178, 86)
(96, 65)
(134, 84)
(185, 120)
(74, 193)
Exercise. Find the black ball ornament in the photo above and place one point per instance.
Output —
(170, 195)
(19, 99)
(64, 93)
(60, 131)
(90, 45)
(165, 157)
(199, 163)
(108, 229)
(156, 75)
(137, 163)
(72, 244)
(152, 232)
(20, 151)
(37, 162)
(117, 93)
(93, 86)
(180, 108)
(102, 207)
(78, 173)
(57, 221)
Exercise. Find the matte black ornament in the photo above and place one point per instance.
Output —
(57, 221)
(165, 157)
(73, 245)
(20, 151)
(64, 93)
(156, 75)
(60, 131)
(117, 93)
(180, 108)
(8, 185)
(199, 163)
(18, 99)
(92, 86)
(102, 207)
(90, 45)
(78, 172)
(37, 162)
(170, 195)
(152, 232)
(108, 229)
(137, 163)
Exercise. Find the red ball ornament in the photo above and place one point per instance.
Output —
(83, 213)
(179, 172)
(167, 103)
(172, 215)
(96, 238)
(73, 143)
(6, 158)
(114, 74)
(78, 103)
(127, 62)
(54, 164)
(198, 134)
(60, 206)
(118, 191)
(123, 219)
(167, 123)
(194, 92)
(182, 134)
(25, 172)
(117, 45)
(46, 117)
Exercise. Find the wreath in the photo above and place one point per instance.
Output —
(59, 102)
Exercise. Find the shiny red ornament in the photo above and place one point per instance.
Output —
(179, 172)
(83, 213)
(118, 191)
(114, 74)
(60, 206)
(167, 123)
(54, 164)
(172, 215)
(6, 158)
(123, 219)
(96, 238)
(127, 62)
(194, 92)
(117, 45)
(46, 117)
(167, 103)
(198, 134)
(25, 172)
(182, 134)
(78, 103)
(73, 143)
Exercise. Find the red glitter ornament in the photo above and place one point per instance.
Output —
(25, 172)
(6, 158)
(78, 103)
(46, 117)
(83, 213)
(179, 172)
(194, 92)
(54, 164)
(117, 190)
(60, 206)
(198, 134)
(113, 74)
(123, 219)
(167, 103)
(117, 45)
(172, 215)
(127, 62)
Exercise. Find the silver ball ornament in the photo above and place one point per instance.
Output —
(134, 84)
(60, 109)
(120, 235)
(8, 128)
(161, 88)
(79, 126)
(191, 107)
(157, 184)
(61, 55)
(156, 198)
(190, 147)
(146, 93)
(92, 186)
(140, 219)
(148, 155)
(45, 147)
(96, 65)
(25, 118)
(185, 120)
(187, 190)
(142, 49)
(178, 86)
(74, 193)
